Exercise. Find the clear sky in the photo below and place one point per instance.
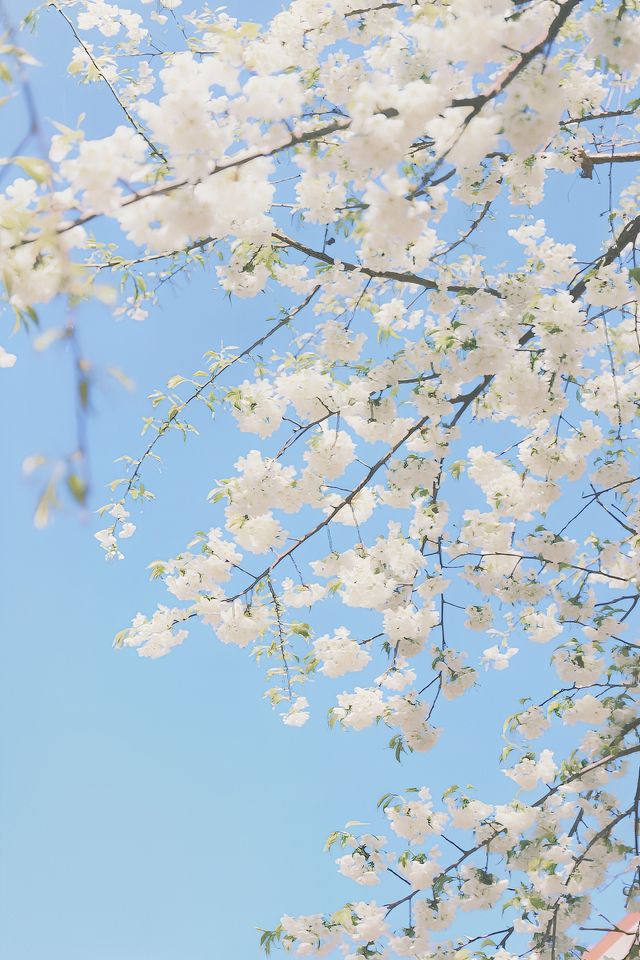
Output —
(160, 810)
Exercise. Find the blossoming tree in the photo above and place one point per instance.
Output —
(441, 422)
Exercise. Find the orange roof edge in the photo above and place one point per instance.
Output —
(630, 925)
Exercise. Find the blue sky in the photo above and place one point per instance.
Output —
(160, 810)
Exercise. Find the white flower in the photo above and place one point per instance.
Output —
(330, 452)
(301, 595)
(532, 723)
(297, 715)
(587, 709)
(257, 534)
(498, 657)
(370, 923)
(529, 772)
(422, 873)
(398, 676)
(478, 617)
(541, 627)
(516, 817)
(415, 819)
(608, 288)
(6, 359)
(155, 637)
(360, 708)
(365, 861)
(470, 815)
(243, 625)
(108, 542)
(340, 654)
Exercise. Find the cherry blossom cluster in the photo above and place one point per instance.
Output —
(441, 471)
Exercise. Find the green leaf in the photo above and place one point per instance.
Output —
(83, 392)
(344, 917)
(39, 170)
(77, 488)
(118, 640)
(157, 570)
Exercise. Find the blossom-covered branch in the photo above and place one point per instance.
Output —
(439, 481)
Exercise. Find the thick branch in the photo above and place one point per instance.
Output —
(526, 56)
(628, 236)
(589, 768)
(398, 276)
